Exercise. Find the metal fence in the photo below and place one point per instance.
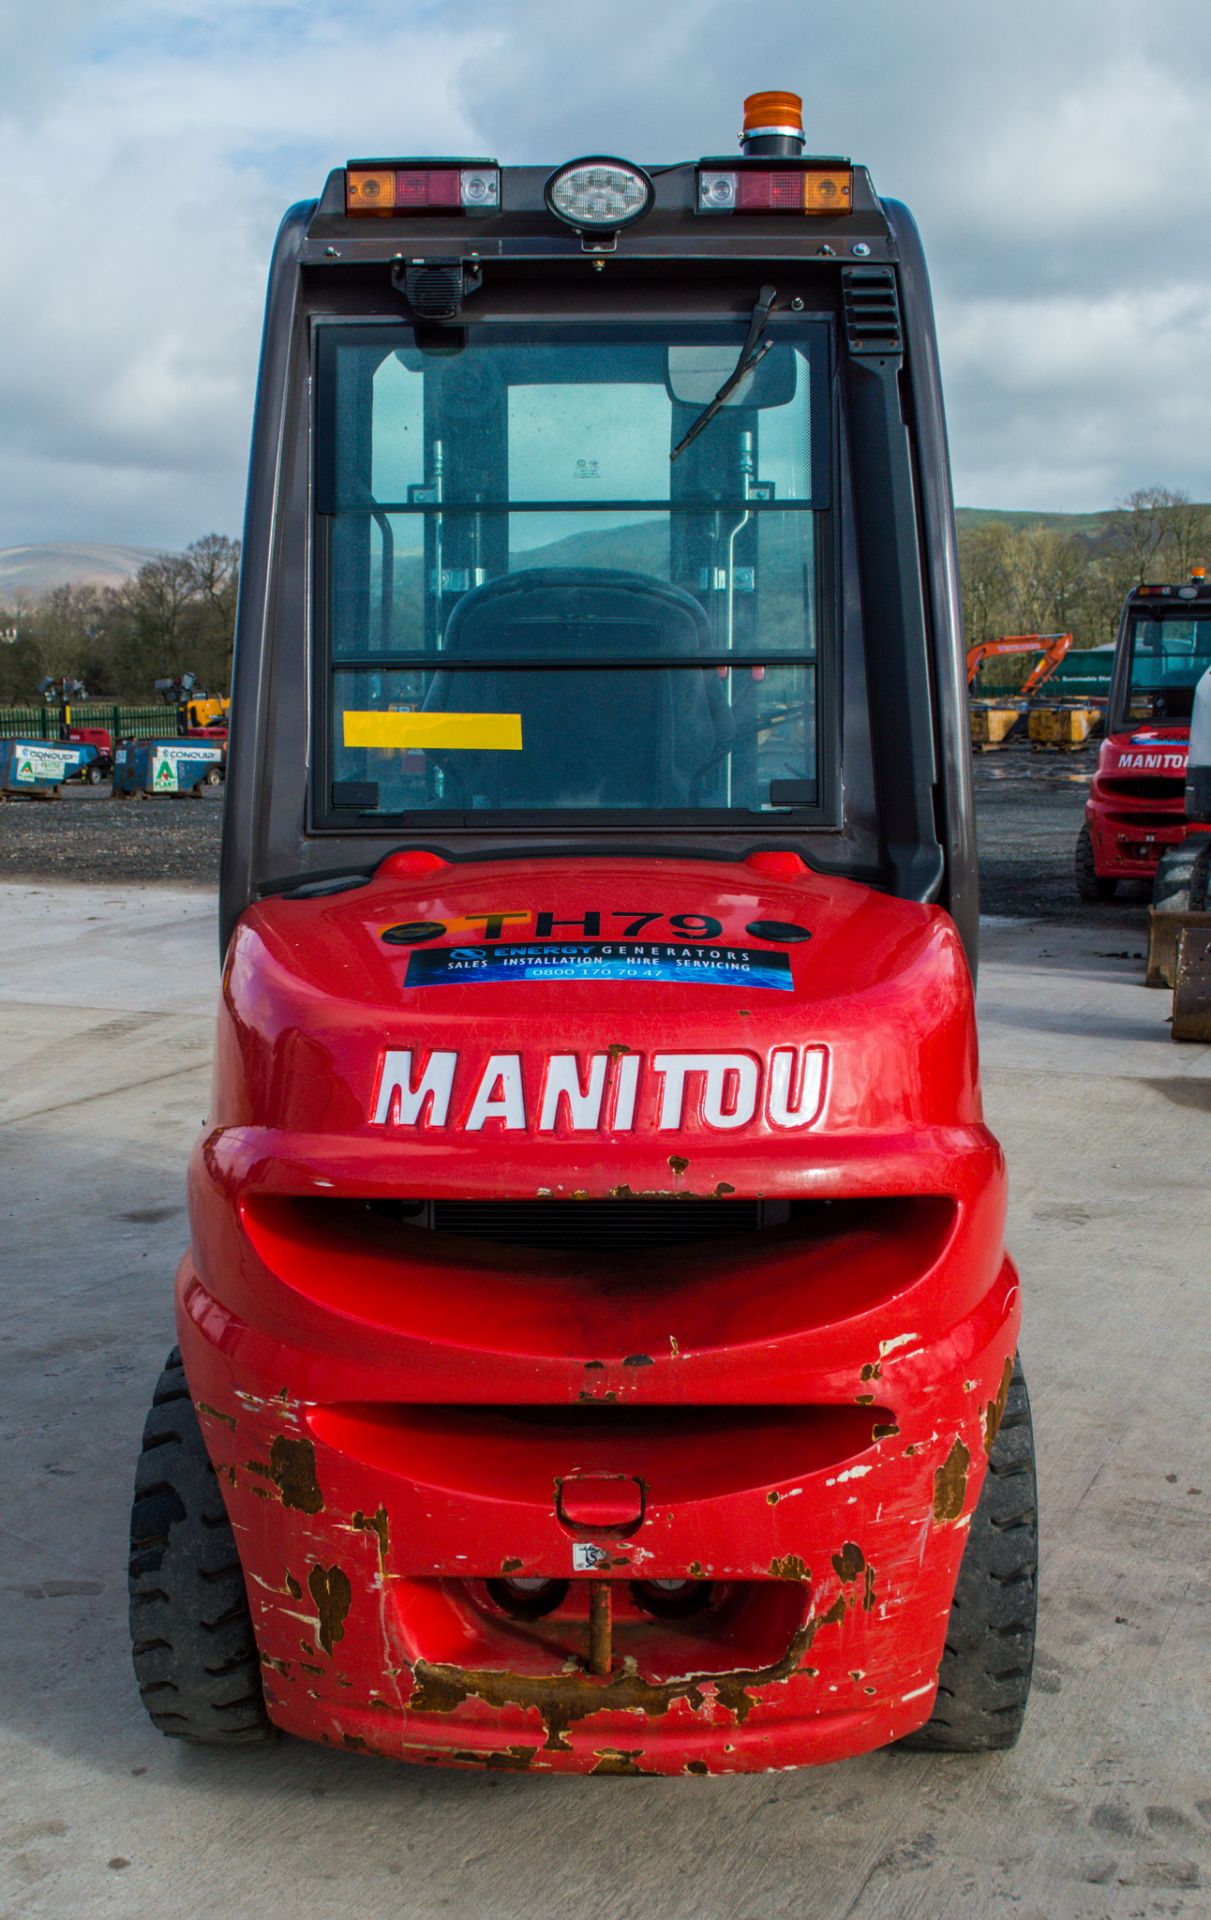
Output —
(124, 723)
(1081, 675)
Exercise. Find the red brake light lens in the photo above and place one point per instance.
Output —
(769, 192)
(435, 188)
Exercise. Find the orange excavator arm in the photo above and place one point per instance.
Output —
(1051, 647)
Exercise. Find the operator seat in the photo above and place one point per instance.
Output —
(610, 738)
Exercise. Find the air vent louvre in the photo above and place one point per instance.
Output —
(872, 311)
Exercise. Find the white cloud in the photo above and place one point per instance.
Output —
(1055, 155)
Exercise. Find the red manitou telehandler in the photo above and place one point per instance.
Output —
(1136, 826)
(597, 1340)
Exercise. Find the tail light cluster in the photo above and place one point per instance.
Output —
(379, 190)
(793, 189)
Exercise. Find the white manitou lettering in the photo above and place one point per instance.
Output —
(563, 1085)
(399, 1103)
(596, 1091)
(800, 1113)
(504, 1071)
(626, 1079)
(729, 1095)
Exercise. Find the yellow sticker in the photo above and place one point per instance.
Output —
(465, 732)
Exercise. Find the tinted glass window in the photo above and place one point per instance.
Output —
(1168, 658)
(529, 606)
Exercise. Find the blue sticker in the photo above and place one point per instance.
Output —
(600, 960)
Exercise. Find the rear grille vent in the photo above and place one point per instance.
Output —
(602, 1226)
(872, 310)
(1144, 787)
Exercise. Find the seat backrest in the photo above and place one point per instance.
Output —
(619, 737)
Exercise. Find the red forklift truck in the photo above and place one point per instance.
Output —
(1135, 817)
(597, 1340)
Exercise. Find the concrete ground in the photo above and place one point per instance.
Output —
(1103, 1810)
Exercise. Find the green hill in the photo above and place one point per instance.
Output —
(1020, 517)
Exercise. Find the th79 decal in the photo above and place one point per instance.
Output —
(612, 923)
(591, 926)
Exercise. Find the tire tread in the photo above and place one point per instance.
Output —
(194, 1653)
(984, 1678)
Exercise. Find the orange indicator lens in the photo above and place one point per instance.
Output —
(828, 192)
(369, 193)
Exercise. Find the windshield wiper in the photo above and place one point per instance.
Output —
(752, 352)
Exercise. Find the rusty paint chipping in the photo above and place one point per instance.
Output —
(618, 1760)
(678, 1164)
(616, 1050)
(884, 1432)
(375, 1523)
(330, 1590)
(494, 1759)
(873, 1370)
(772, 1497)
(789, 1566)
(994, 1412)
(950, 1484)
(832, 1618)
(212, 1413)
(293, 1588)
(848, 1564)
(868, 1590)
(563, 1699)
(511, 1565)
(292, 1470)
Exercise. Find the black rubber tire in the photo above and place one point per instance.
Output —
(94, 776)
(1179, 884)
(212, 777)
(191, 1634)
(984, 1679)
(1089, 883)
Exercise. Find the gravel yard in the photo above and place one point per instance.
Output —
(1029, 810)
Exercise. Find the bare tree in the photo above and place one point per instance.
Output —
(214, 568)
(1045, 569)
(1186, 525)
(984, 557)
(1140, 531)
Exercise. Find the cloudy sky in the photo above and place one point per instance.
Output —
(1057, 154)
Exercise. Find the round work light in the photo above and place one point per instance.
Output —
(599, 195)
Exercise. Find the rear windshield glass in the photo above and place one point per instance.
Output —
(1168, 658)
(528, 606)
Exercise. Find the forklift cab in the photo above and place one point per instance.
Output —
(596, 1312)
(1136, 824)
(463, 505)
